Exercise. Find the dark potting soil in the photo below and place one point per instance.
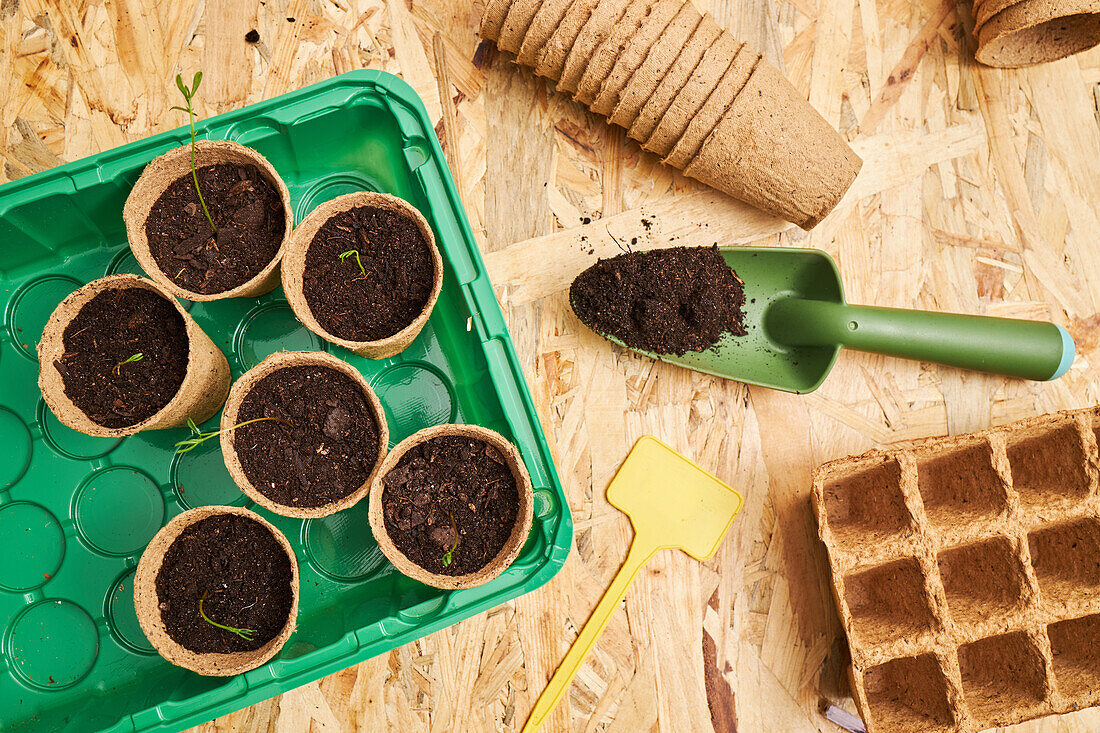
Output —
(323, 444)
(668, 301)
(116, 325)
(239, 571)
(390, 290)
(444, 485)
(250, 218)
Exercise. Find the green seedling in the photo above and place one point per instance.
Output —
(349, 253)
(447, 554)
(134, 357)
(245, 634)
(199, 437)
(188, 96)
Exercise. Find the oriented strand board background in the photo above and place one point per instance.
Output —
(980, 193)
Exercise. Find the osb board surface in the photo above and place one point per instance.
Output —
(980, 193)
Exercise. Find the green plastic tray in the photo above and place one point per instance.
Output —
(76, 512)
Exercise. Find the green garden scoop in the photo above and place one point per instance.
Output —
(797, 322)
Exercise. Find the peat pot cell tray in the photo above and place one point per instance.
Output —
(1076, 647)
(866, 507)
(908, 695)
(1003, 679)
(1066, 558)
(888, 603)
(1049, 467)
(983, 580)
(960, 486)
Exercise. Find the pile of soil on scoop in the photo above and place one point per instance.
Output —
(668, 301)
(444, 485)
(390, 290)
(110, 328)
(248, 213)
(323, 444)
(240, 572)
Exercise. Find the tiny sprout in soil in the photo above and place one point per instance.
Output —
(135, 357)
(188, 96)
(245, 634)
(199, 437)
(447, 554)
(344, 255)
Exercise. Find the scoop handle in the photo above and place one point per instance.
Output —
(641, 551)
(1016, 348)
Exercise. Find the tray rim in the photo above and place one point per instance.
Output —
(349, 650)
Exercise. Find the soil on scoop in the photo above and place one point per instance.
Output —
(239, 571)
(668, 301)
(114, 326)
(250, 218)
(390, 290)
(446, 485)
(323, 443)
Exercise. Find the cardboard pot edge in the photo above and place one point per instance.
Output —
(200, 394)
(294, 261)
(241, 389)
(515, 541)
(147, 605)
(166, 169)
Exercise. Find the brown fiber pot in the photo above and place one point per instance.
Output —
(165, 170)
(201, 393)
(775, 151)
(240, 390)
(512, 546)
(294, 265)
(1036, 31)
(147, 604)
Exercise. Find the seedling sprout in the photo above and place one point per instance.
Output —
(188, 96)
(199, 437)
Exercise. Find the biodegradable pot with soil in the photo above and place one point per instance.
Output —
(666, 301)
(120, 355)
(173, 240)
(216, 590)
(363, 272)
(303, 434)
(452, 505)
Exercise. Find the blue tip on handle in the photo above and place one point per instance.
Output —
(1069, 351)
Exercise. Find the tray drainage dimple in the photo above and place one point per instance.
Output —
(200, 478)
(329, 188)
(32, 544)
(341, 546)
(52, 644)
(17, 448)
(31, 307)
(122, 618)
(118, 510)
(272, 327)
(71, 443)
(124, 263)
(415, 395)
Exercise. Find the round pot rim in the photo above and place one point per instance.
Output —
(298, 246)
(996, 34)
(512, 546)
(146, 603)
(243, 386)
(136, 217)
(51, 346)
